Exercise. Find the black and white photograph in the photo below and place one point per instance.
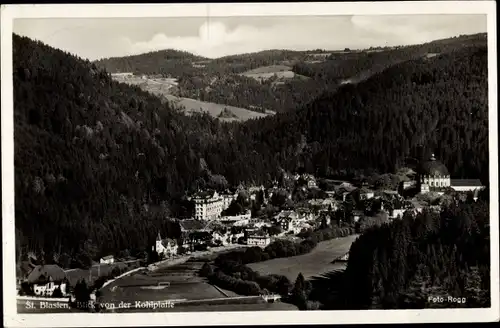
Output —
(249, 163)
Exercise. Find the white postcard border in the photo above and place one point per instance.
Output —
(12, 319)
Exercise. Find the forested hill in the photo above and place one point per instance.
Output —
(223, 80)
(98, 164)
(156, 62)
(354, 66)
(106, 163)
(440, 104)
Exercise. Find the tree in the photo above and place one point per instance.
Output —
(274, 230)
(206, 270)
(124, 254)
(115, 272)
(259, 197)
(82, 292)
(126, 152)
(57, 292)
(299, 296)
(235, 208)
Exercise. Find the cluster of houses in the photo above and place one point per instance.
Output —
(431, 176)
(49, 280)
(211, 228)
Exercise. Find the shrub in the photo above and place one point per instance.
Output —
(313, 305)
(57, 292)
(206, 270)
(115, 272)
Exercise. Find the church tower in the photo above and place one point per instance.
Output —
(159, 245)
(433, 175)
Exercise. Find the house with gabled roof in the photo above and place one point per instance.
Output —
(45, 279)
(287, 220)
(107, 259)
(258, 238)
(167, 247)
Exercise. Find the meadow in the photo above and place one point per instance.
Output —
(197, 106)
(166, 90)
(317, 262)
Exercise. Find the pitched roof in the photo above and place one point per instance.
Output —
(466, 182)
(258, 233)
(168, 241)
(109, 257)
(42, 273)
(191, 225)
(286, 214)
(365, 190)
(214, 225)
(204, 194)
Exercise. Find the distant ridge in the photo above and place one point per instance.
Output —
(269, 69)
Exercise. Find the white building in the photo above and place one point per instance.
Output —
(397, 213)
(258, 239)
(433, 175)
(365, 193)
(127, 74)
(166, 247)
(208, 206)
(288, 221)
(107, 259)
(465, 185)
(242, 217)
(44, 280)
(228, 199)
(224, 238)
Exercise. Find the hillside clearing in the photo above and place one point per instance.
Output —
(192, 105)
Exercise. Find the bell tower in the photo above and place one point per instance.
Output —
(159, 245)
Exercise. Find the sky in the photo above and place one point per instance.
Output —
(96, 38)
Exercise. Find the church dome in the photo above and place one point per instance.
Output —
(433, 167)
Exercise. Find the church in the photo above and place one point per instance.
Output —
(433, 176)
(166, 247)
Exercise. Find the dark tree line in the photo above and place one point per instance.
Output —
(100, 166)
(168, 62)
(401, 264)
(440, 106)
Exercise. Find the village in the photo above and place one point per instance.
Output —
(256, 216)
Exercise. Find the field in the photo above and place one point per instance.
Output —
(315, 263)
(268, 69)
(193, 105)
(194, 293)
(266, 72)
(165, 88)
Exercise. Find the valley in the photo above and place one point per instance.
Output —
(305, 154)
